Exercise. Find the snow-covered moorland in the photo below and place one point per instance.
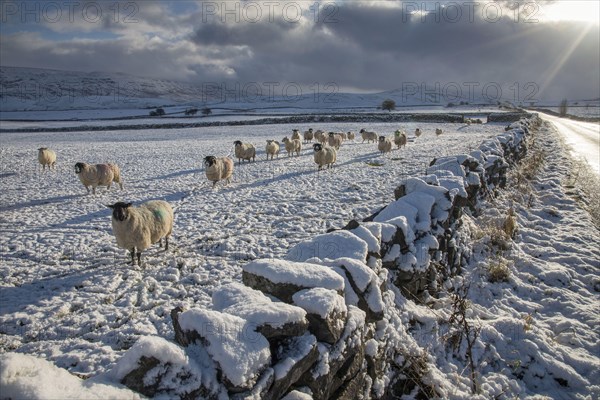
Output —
(68, 296)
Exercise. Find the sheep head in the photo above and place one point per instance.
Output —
(317, 147)
(79, 167)
(209, 161)
(382, 138)
(237, 143)
(120, 210)
(285, 139)
(331, 134)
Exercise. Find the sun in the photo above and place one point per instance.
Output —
(580, 10)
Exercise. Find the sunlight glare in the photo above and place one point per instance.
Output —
(583, 11)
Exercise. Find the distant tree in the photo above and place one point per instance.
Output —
(450, 105)
(562, 108)
(153, 113)
(206, 111)
(160, 111)
(191, 111)
(388, 105)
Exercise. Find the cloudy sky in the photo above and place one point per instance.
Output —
(531, 49)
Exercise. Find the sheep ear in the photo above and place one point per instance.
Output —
(128, 205)
(110, 206)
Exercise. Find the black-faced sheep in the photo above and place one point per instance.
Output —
(292, 146)
(351, 135)
(244, 151)
(137, 228)
(324, 155)
(384, 145)
(368, 136)
(400, 138)
(46, 157)
(98, 175)
(438, 131)
(295, 134)
(335, 140)
(218, 169)
(308, 135)
(272, 148)
(418, 132)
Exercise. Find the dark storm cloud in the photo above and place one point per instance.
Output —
(370, 47)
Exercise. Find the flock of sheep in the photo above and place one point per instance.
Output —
(137, 228)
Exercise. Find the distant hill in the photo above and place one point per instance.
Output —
(36, 89)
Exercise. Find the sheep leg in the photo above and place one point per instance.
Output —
(139, 258)
(132, 251)
(166, 243)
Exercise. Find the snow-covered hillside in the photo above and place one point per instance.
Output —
(31, 89)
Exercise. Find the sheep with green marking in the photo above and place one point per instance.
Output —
(400, 138)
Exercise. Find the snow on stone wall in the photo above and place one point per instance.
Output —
(326, 321)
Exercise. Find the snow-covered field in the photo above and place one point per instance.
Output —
(67, 294)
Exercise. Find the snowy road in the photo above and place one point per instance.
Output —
(582, 137)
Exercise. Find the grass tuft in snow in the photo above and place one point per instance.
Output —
(499, 270)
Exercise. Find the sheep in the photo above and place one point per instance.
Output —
(400, 138)
(218, 169)
(418, 132)
(438, 131)
(295, 134)
(324, 155)
(321, 137)
(350, 135)
(98, 175)
(308, 135)
(343, 135)
(272, 148)
(368, 136)
(468, 121)
(46, 157)
(137, 228)
(291, 146)
(384, 145)
(244, 151)
(335, 140)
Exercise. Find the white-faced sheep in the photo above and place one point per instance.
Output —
(351, 135)
(292, 146)
(46, 157)
(244, 151)
(137, 228)
(272, 148)
(335, 140)
(95, 175)
(295, 134)
(308, 135)
(368, 136)
(418, 132)
(438, 131)
(400, 138)
(218, 169)
(324, 155)
(384, 145)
